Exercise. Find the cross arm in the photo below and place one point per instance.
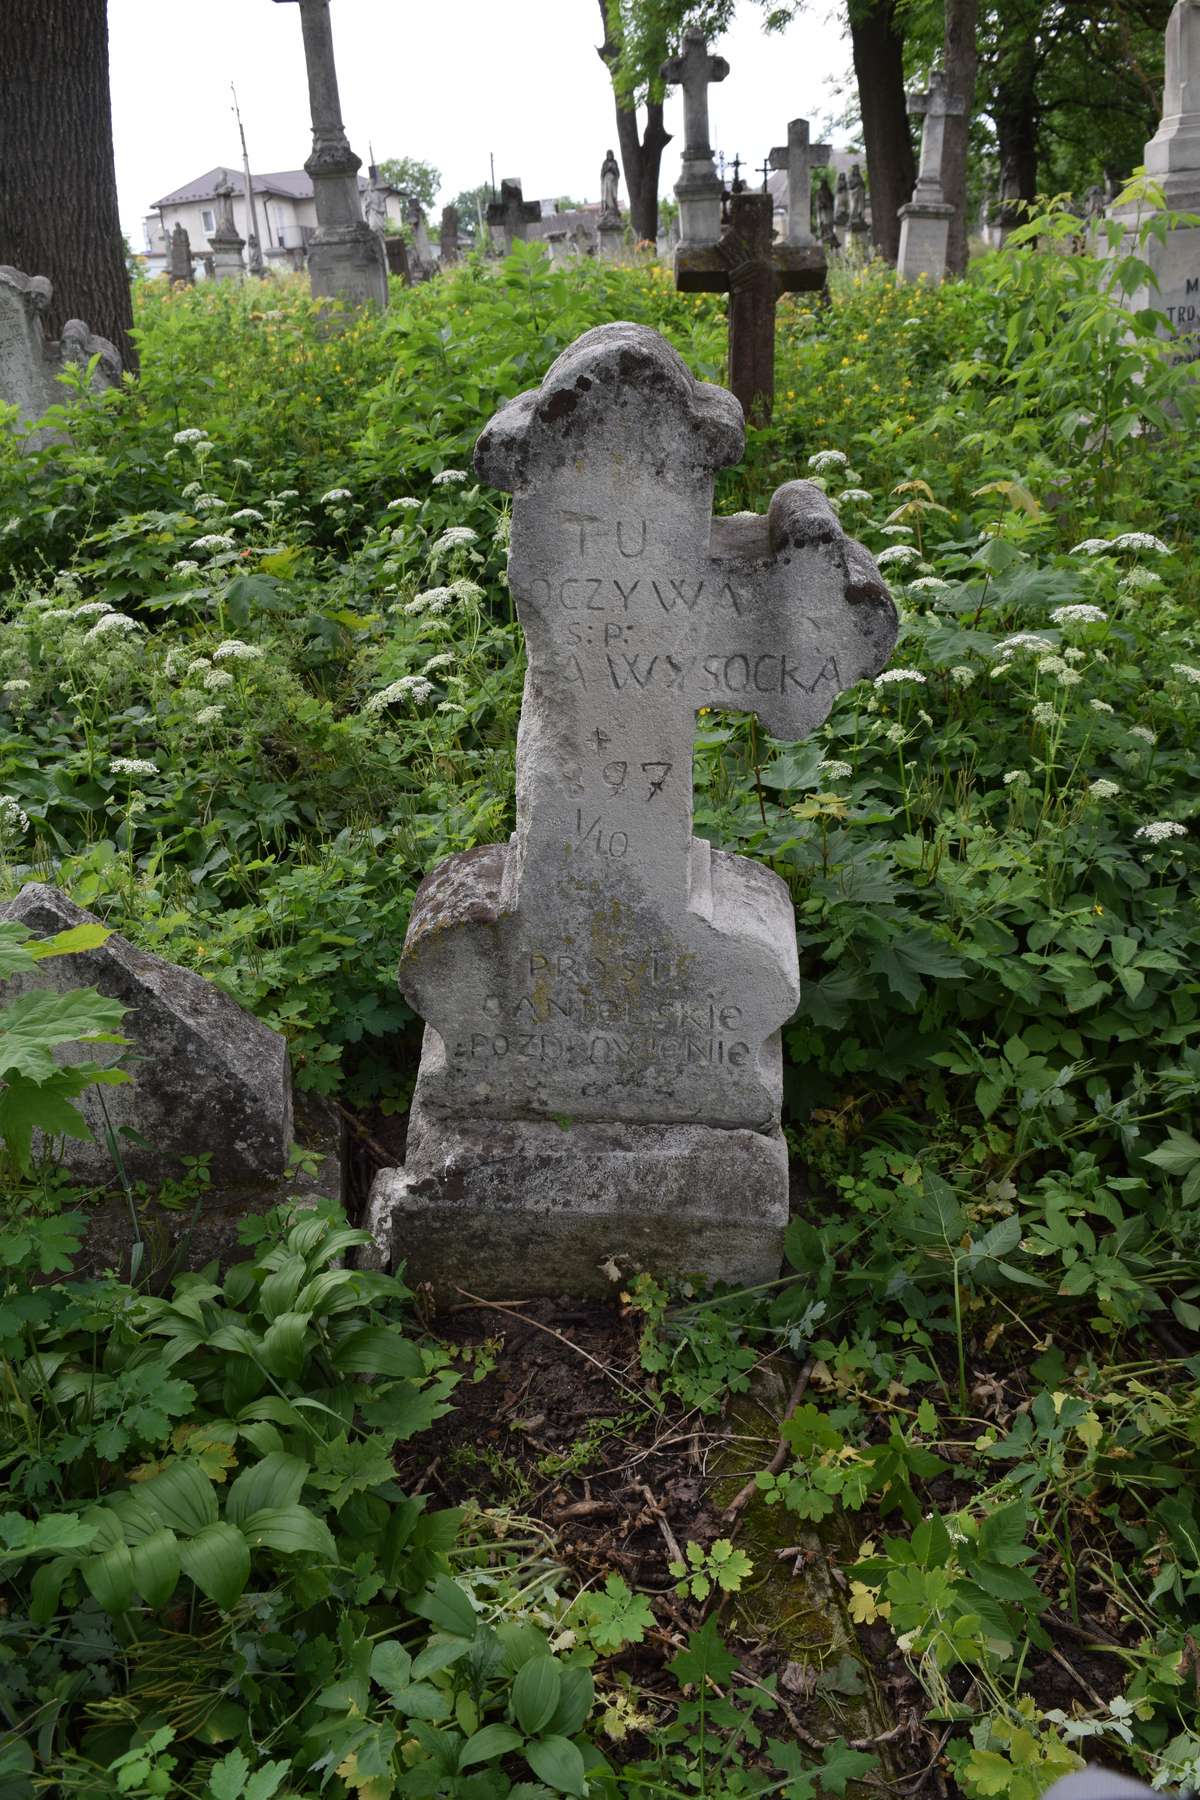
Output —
(799, 268)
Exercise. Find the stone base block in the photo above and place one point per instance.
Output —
(924, 235)
(523, 1208)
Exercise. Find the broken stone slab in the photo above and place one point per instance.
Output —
(207, 1075)
(30, 363)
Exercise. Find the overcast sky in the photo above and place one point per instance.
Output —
(449, 81)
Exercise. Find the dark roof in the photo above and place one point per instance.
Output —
(293, 184)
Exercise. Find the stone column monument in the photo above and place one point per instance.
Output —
(226, 242)
(608, 225)
(601, 1072)
(698, 189)
(799, 157)
(1173, 164)
(925, 220)
(346, 259)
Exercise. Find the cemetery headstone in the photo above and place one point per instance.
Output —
(510, 217)
(699, 188)
(208, 1079)
(448, 237)
(1172, 160)
(224, 240)
(603, 995)
(799, 157)
(753, 270)
(396, 251)
(858, 200)
(608, 226)
(925, 219)
(346, 259)
(180, 272)
(421, 258)
(30, 363)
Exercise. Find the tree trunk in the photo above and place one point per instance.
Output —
(878, 44)
(1015, 114)
(960, 56)
(58, 182)
(641, 156)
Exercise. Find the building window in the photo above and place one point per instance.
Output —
(209, 221)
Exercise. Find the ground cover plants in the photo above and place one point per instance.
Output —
(259, 670)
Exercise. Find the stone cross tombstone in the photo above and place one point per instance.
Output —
(448, 237)
(799, 157)
(1172, 160)
(925, 220)
(346, 259)
(699, 188)
(180, 272)
(225, 241)
(510, 217)
(753, 270)
(601, 1071)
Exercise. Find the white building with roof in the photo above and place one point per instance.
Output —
(287, 216)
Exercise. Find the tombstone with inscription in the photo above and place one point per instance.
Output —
(603, 995)
(925, 220)
(1173, 164)
(30, 363)
(180, 272)
(510, 217)
(699, 188)
(799, 157)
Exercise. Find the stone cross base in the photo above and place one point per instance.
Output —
(348, 262)
(924, 235)
(524, 1207)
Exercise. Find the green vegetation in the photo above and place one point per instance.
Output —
(259, 672)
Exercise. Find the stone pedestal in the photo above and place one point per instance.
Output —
(924, 236)
(611, 236)
(699, 193)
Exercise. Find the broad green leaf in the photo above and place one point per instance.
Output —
(445, 1605)
(227, 1779)
(391, 1666)
(557, 1762)
(181, 1497)
(575, 1702)
(34, 1024)
(156, 1565)
(293, 1530)
(110, 1578)
(217, 1559)
(282, 1350)
(71, 942)
(486, 1745)
(535, 1694)
(376, 1350)
(275, 1481)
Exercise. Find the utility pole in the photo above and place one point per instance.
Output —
(257, 265)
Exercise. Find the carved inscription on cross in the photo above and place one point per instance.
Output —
(800, 157)
(753, 270)
(607, 965)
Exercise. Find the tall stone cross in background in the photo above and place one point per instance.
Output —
(699, 188)
(925, 220)
(753, 270)
(800, 157)
(346, 259)
(601, 1073)
(510, 216)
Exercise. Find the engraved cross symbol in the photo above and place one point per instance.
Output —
(621, 969)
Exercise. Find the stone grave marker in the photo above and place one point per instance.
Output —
(30, 363)
(799, 157)
(699, 188)
(601, 1072)
(448, 237)
(925, 220)
(748, 265)
(510, 217)
(1173, 162)
(225, 241)
(180, 272)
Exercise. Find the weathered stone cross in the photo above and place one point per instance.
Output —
(800, 157)
(925, 219)
(698, 189)
(511, 213)
(753, 270)
(604, 994)
(933, 108)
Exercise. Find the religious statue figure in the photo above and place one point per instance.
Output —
(375, 210)
(1094, 201)
(824, 210)
(610, 176)
(858, 199)
(841, 215)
